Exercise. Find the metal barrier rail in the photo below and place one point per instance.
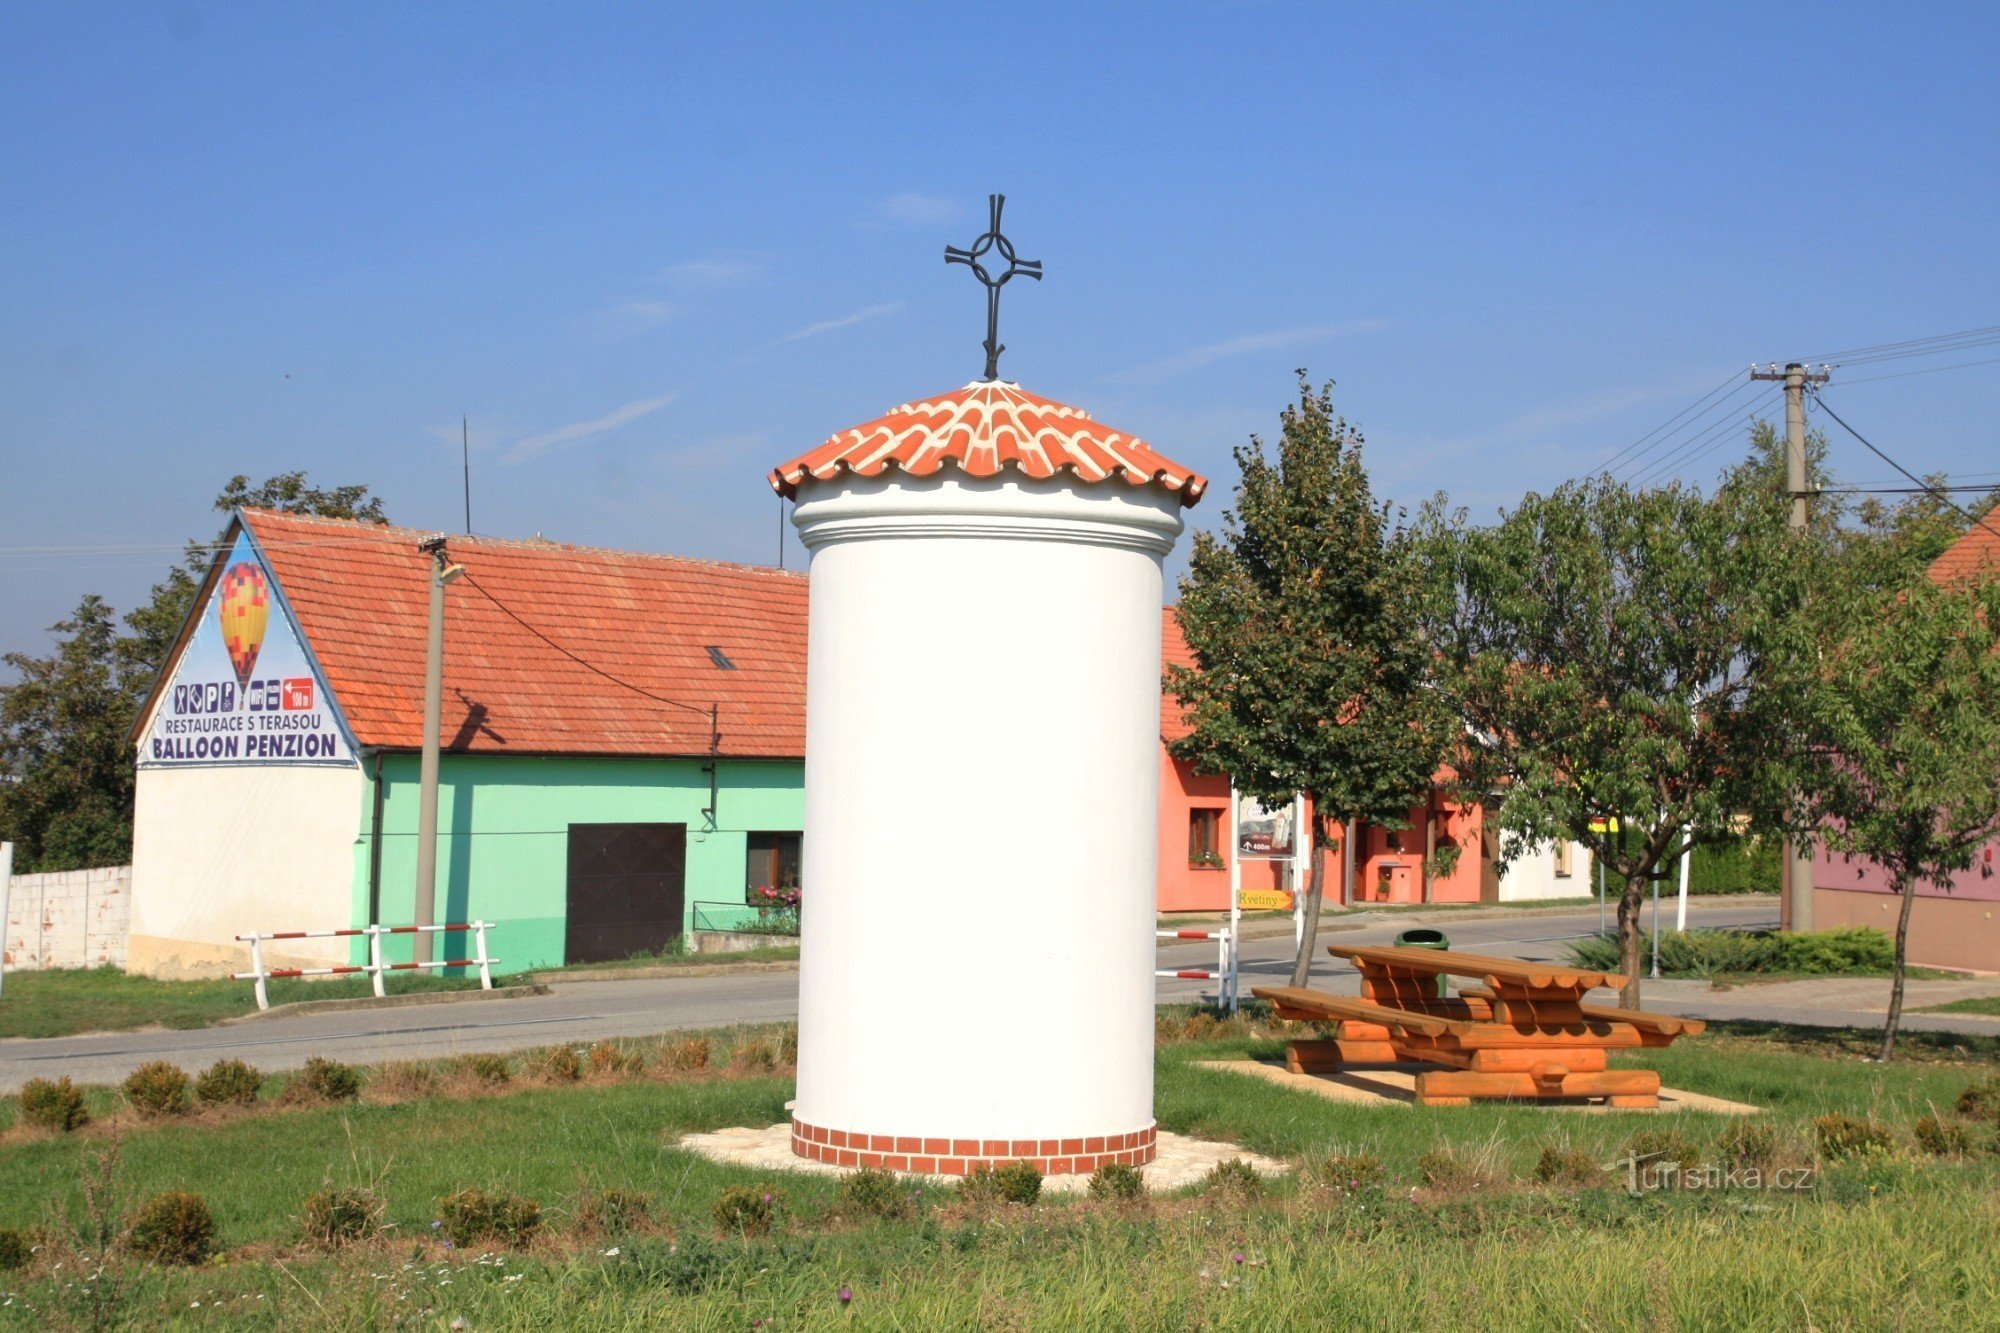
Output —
(374, 967)
(740, 918)
(1225, 963)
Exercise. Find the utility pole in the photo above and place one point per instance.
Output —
(442, 572)
(1797, 910)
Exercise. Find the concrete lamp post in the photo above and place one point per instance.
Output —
(982, 721)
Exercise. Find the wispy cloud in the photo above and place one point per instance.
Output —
(723, 271)
(629, 319)
(1274, 340)
(844, 322)
(578, 432)
(909, 209)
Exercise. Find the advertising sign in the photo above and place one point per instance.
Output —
(1265, 900)
(1263, 833)
(244, 691)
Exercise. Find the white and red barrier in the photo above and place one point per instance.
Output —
(1225, 962)
(374, 967)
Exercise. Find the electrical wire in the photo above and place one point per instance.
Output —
(1615, 459)
(1963, 512)
(1693, 419)
(1711, 439)
(1928, 370)
(1924, 342)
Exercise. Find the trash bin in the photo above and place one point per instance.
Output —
(1423, 937)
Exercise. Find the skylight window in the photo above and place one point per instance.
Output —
(720, 658)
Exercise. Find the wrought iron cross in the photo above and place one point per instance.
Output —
(977, 259)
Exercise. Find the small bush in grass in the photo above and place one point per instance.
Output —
(1199, 1027)
(875, 1193)
(1942, 1138)
(228, 1083)
(1460, 1169)
(613, 1212)
(1350, 1174)
(1117, 1181)
(330, 1080)
(693, 1053)
(1749, 1141)
(58, 1105)
(488, 1068)
(472, 1215)
(1842, 1136)
(173, 1228)
(1013, 1182)
(1566, 1165)
(1656, 1148)
(1234, 1178)
(1981, 1101)
(157, 1089)
(333, 1217)
(610, 1060)
(401, 1079)
(558, 1064)
(746, 1210)
(16, 1248)
(752, 1057)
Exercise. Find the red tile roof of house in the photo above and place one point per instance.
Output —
(983, 430)
(549, 649)
(1977, 550)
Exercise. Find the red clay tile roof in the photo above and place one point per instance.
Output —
(984, 429)
(522, 624)
(1977, 550)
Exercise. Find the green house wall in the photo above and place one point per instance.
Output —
(503, 836)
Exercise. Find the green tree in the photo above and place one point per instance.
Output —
(1303, 617)
(1905, 733)
(66, 721)
(1615, 653)
(63, 736)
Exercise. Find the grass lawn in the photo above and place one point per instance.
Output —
(1456, 1232)
(66, 1001)
(772, 953)
(1983, 1004)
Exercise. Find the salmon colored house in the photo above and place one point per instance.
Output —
(1957, 927)
(1391, 865)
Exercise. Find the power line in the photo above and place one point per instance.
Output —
(1962, 511)
(1706, 442)
(1615, 459)
(1928, 370)
(1698, 426)
(1907, 342)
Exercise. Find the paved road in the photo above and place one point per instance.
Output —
(584, 1011)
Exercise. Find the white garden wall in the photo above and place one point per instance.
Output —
(68, 918)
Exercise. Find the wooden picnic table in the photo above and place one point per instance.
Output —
(1525, 1031)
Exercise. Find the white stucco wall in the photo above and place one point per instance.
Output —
(1533, 875)
(67, 918)
(981, 806)
(219, 852)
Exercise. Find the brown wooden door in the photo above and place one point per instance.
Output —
(627, 889)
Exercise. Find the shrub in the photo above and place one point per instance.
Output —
(471, 1215)
(173, 1228)
(1852, 1136)
(1656, 1148)
(330, 1080)
(1234, 1177)
(1456, 1169)
(747, 1211)
(1749, 1141)
(16, 1248)
(609, 1060)
(1566, 1165)
(488, 1068)
(1012, 1182)
(692, 1053)
(1348, 1173)
(58, 1105)
(614, 1211)
(1116, 1180)
(1942, 1138)
(333, 1217)
(228, 1083)
(1980, 1101)
(400, 1079)
(157, 1089)
(875, 1193)
(1707, 953)
(558, 1064)
(752, 1057)
(1824, 952)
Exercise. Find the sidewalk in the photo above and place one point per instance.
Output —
(1337, 919)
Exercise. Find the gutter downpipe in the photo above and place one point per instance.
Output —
(375, 848)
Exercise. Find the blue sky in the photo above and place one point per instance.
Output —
(652, 251)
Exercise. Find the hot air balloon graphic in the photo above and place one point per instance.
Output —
(244, 608)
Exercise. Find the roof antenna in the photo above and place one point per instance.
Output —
(465, 457)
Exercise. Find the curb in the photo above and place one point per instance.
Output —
(546, 979)
(298, 1007)
(1433, 913)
